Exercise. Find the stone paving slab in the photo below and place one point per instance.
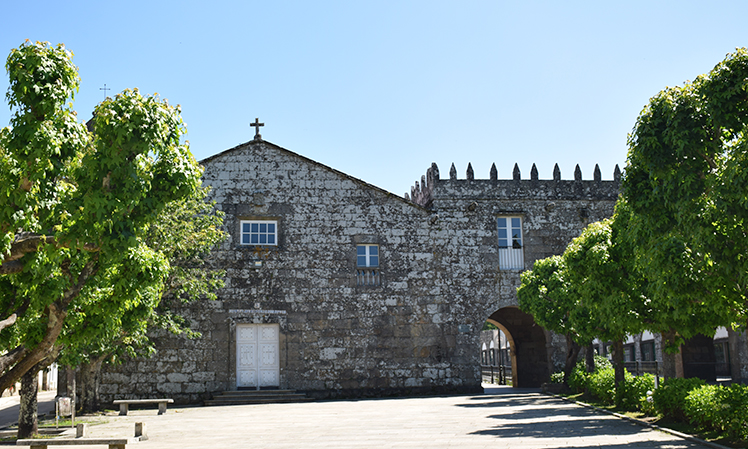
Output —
(9, 407)
(501, 418)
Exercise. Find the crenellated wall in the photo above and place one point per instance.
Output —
(553, 213)
(422, 192)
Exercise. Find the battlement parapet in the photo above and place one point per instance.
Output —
(432, 186)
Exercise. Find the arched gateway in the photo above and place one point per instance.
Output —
(528, 342)
(337, 288)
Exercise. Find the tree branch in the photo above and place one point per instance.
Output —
(55, 319)
(11, 320)
(11, 267)
(13, 356)
(56, 313)
(27, 242)
(88, 270)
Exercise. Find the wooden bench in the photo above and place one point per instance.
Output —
(113, 443)
(124, 404)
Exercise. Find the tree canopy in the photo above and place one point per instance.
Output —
(686, 183)
(673, 259)
(591, 291)
(76, 209)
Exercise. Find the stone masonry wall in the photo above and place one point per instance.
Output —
(553, 213)
(418, 332)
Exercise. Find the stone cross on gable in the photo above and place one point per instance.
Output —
(257, 125)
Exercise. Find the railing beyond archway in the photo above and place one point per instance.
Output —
(528, 346)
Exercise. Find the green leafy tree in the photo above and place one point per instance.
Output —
(592, 291)
(185, 232)
(609, 286)
(686, 184)
(546, 293)
(75, 207)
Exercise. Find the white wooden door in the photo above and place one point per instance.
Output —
(257, 358)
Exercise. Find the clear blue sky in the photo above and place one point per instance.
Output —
(380, 90)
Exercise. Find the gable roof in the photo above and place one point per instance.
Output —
(318, 164)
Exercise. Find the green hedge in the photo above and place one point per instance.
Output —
(710, 407)
(723, 409)
(669, 398)
(601, 384)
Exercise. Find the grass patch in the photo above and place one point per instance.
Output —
(47, 428)
(91, 420)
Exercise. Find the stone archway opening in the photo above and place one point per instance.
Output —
(500, 356)
(528, 348)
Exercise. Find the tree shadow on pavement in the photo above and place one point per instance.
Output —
(526, 414)
(680, 444)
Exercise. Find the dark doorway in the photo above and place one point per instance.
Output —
(528, 347)
(699, 358)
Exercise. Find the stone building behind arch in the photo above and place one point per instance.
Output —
(337, 288)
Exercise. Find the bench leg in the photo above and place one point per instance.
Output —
(140, 431)
(116, 446)
(123, 409)
(161, 408)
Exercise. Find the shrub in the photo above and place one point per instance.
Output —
(636, 397)
(647, 403)
(700, 405)
(669, 398)
(557, 378)
(734, 408)
(724, 409)
(578, 378)
(601, 384)
(602, 363)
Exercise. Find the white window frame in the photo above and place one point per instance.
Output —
(260, 233)
(368, 256)
(368, 272)
(511, 242)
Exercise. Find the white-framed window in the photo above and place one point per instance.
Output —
(259, 232)
(367, 265)
(511, 254)
(367, 256)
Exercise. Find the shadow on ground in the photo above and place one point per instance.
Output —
(524, 413)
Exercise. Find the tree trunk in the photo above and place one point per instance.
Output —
(589, 358)
(572, 353)
(619, 371)
(672, 365)
(55, 320)
(89, 376)
(22, 359)
(27, 415)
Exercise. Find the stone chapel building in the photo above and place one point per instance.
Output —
(337, 288)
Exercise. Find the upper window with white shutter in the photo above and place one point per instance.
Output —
(511, 254)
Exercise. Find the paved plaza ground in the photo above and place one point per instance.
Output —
(501, 418)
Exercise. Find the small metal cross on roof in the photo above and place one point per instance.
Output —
(104, 89)
(257, 125)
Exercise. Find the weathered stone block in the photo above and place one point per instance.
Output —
(169, 388)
